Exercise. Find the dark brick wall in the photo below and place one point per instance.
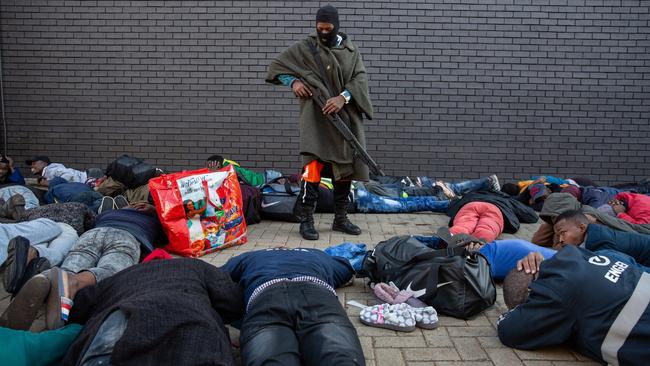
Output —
(462, 88)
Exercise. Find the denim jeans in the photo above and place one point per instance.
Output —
(56, 250)
(463, 188)
(30, 199)
(104, 341)
(372, 203)
(40, 231)
(103, 251)
(298, 323)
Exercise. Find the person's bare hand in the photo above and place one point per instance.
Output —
(144, 207)
(530, 263)
(617, 206)
(592, 219)
(474, 246)
(300, 90)
(334, 104)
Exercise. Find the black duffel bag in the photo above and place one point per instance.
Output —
(278, 198)
(454, 281)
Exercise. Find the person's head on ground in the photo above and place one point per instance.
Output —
(510, 188)
(327, 25)
(5, 167)
(573, 190)
(556, 204)
(538, 193)
(571, 227)
(516, 288)
(214, 162)
(38, 163)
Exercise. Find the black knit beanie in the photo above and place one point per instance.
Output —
(328, 14)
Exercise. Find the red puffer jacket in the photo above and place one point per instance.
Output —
(638, 207)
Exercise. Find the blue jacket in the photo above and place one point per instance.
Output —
(252, 269)
(637, 246)
(61, 190)
(597, 196)
(583, 298)
(15, 178)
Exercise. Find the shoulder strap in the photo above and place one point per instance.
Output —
(319, 62)
(287, 186)
(449, 252)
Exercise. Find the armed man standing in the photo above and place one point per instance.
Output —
(326, 63)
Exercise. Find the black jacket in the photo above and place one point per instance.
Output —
(175, 309)
(513, 211)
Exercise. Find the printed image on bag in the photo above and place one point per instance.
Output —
(201, 211)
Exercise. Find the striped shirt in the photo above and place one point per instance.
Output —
(268, 284)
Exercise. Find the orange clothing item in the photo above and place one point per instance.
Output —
(480, 219)
(311, 171)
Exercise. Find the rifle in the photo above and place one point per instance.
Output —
(336, 120)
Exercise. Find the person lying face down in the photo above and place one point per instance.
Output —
(164, 312)
(45, 170)
(293, 316)
(113, 245)
(594, 301)
(574, 228)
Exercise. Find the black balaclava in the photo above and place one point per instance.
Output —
(328, 14)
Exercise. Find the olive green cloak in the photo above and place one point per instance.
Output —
(319, 139)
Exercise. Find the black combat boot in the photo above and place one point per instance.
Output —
(304, 209)
(341, 204)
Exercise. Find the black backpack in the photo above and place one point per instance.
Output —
(454, 281)
(130, 171)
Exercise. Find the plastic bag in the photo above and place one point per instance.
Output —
(200, 211)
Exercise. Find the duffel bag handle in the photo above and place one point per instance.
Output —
(287, 185)
(448, 252)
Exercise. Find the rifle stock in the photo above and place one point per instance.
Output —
(336, 120)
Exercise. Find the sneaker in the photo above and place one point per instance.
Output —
(494, 183)
(108, 203)
(445, 189)
(120, 202)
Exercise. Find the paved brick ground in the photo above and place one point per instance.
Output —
(455, 342)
